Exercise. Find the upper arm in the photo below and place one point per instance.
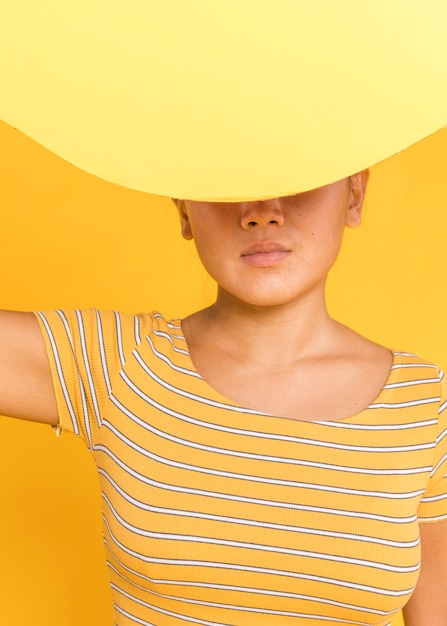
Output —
(428, 604)
(26, 388)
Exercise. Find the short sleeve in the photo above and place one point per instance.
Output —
(433, 505)
(86, 350)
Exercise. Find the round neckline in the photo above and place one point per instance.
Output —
(216, 396)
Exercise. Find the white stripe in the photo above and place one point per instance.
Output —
(236, 408)
(252, 478)
(204, 400)
(60, 373)
(134, 618)
(163, 357)
(404, 405)
(211, 426)
(119, 338)
(232, 497)
(245, 545)
(245, 609)
(183, 393)
(412, 471)
(412, 383)
(254, 569)
(88, 369)
(397, 366)
(84, 403)
(136, 329)
(438, 465)
(176, 325)
(253, 523)
(442, 496)
(102, 352)
(157, 609)
(437, 518)
(441, 436)
(378, 427)
(164, 335)
(239, 589)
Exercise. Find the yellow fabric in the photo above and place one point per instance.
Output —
(224, 100)
(216, 514)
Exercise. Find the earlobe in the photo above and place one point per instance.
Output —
(359, 183)
(186, 228)
(184, 220)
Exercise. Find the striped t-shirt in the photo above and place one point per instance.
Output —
(218, 514)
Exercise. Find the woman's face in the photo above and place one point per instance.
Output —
(274, 252)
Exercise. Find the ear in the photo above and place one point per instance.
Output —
(184, 220)
(359, 183)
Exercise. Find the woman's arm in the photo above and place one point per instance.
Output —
(26, 389)
(428, 604)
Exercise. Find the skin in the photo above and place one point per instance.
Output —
(268, 341)
(26, 389)
(309, 225)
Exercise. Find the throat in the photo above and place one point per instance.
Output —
(337, 379)
(268, 339)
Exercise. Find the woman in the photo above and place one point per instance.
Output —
(259, 461)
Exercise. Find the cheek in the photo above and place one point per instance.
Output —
(325, 240)
(210, 250)
(333, 242)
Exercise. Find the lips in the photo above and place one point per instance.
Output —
(265, 254)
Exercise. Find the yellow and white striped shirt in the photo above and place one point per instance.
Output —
(217, 514)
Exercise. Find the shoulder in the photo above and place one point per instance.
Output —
(97, 329)
(413, 368)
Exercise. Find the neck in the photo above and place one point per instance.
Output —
(265, 333)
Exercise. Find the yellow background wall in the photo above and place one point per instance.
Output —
(69, 239)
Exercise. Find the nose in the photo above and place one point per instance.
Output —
(262, 213)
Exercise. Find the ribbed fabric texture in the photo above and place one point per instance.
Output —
(217, 514)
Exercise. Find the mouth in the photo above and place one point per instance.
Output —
(265, 254)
